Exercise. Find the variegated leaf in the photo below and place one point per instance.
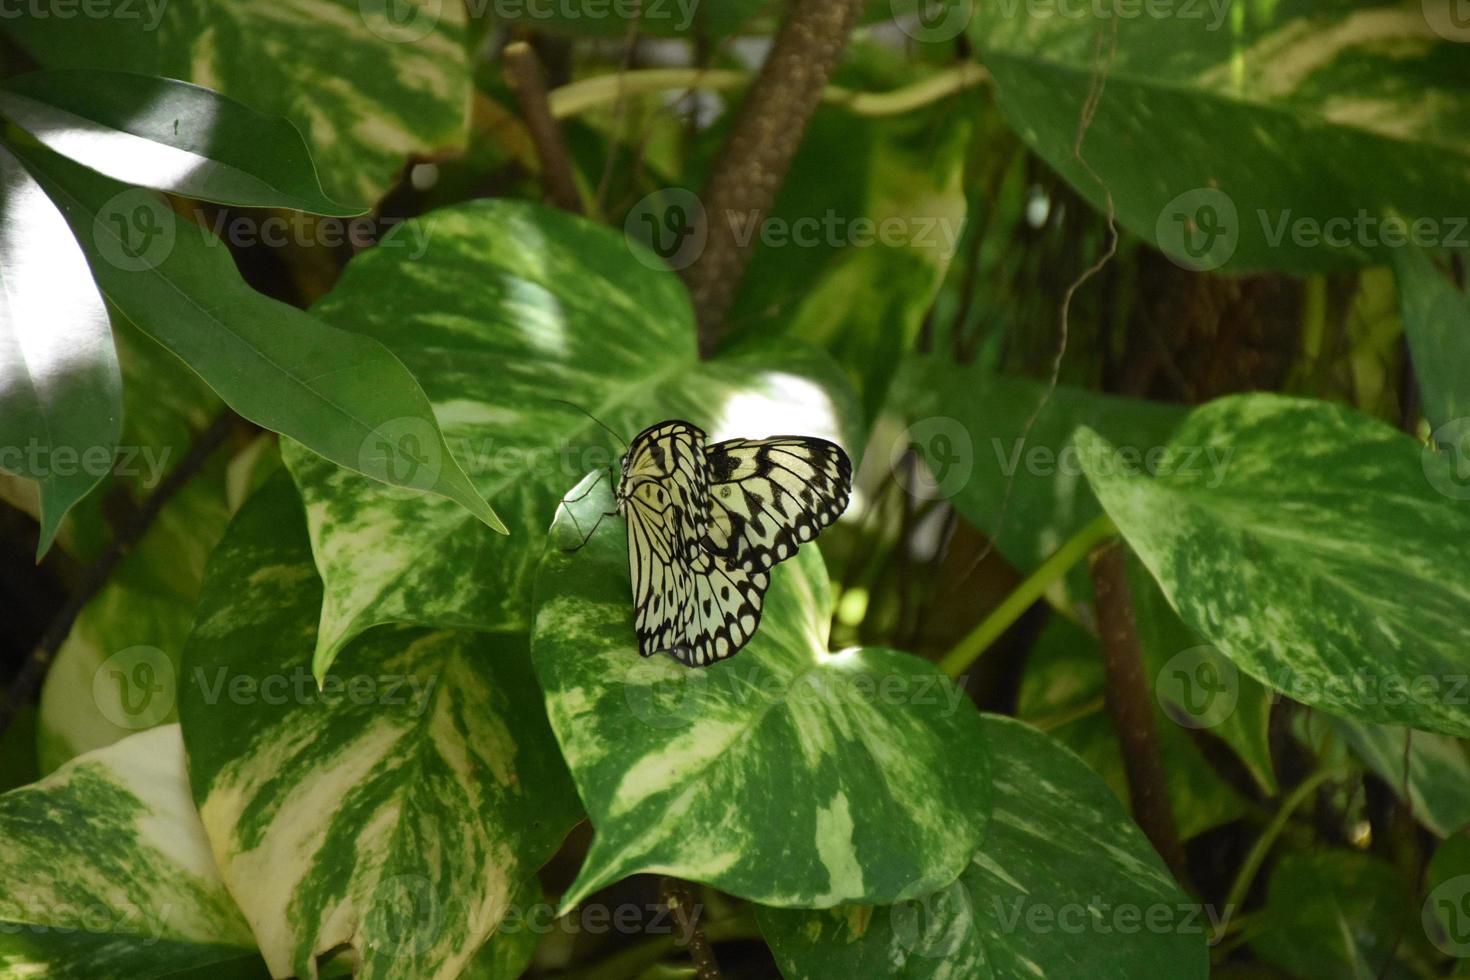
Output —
(1259, 136)
(1324, 558)
(1064, 885)
(381, 87)
(106, 871)
(511, 307)
(786, 774)
(395, 811)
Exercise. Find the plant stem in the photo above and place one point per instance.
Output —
(33, 671)
(679, 898)
(1126, 694)
(1257, 856)
(523, 73)
(756, 154)
(978, 640)
(589, 93)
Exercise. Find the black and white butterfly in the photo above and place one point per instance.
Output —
(706, 523)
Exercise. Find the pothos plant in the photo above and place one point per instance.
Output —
(1137, 329)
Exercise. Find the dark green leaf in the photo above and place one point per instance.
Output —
(342, 394)
(60, 386)
(1437, 322)
(168, 135)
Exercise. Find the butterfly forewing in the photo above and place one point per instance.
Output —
(769, 496)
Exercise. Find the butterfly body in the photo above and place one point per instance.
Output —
(707, 522)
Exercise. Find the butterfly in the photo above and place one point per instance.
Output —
(707, 522)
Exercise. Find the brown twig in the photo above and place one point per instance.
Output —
(1126, 693)
(679, 898)
(523, 74)
(129, 532)
(758, 151)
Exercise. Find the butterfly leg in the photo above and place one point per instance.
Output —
(588, 536)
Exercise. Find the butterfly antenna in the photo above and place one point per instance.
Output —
(594, 418)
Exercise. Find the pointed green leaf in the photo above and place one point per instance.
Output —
(168, 135)
(60, 387)
(511, 307)
(786, 774)
(106, 871)
(1436, 319)
(1064, 886)
(340, 393)
(1313, 547)
(397, 808)
(387, 81)
(1265, 136)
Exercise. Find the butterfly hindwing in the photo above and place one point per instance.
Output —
(696, 607)
(767, 497)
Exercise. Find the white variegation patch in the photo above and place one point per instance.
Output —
(106, 870)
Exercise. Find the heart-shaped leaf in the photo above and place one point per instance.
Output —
(395, 810)
(1324, 557)
(786, 774)
(1065, 885)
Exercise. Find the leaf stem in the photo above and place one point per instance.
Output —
(978, 640)
(523, 73)
(1257, 856)
(589, 93)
